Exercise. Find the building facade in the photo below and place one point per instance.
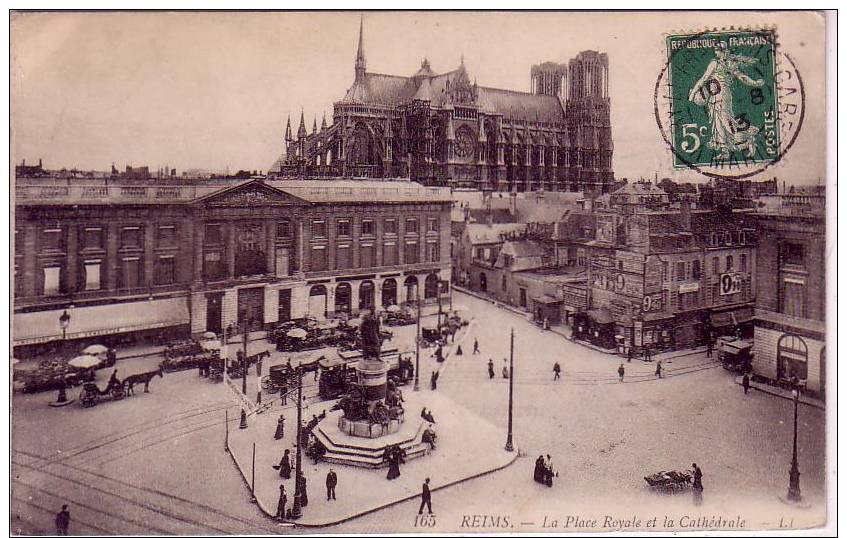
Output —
(791, 303)
(665, 277)
(125, 260)
(444, 129)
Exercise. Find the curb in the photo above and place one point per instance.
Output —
(764, 388)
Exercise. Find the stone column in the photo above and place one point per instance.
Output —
(30, 267)
(149, 230)
(72, 268)
(199, 237)
(270, 247)
(112, 232)
(230, 248)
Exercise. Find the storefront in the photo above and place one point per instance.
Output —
(595, 326)
(105, 324)
(547, 308)
(737, 321)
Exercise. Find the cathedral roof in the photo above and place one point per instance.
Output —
(392, 90)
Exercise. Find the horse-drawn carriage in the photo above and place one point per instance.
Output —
(669, 481)
(216, 368)
(336, 376)
(399, 318)
(91, 394)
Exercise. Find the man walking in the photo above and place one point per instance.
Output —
(63, 521)
(709, 347)
(490, 369)
(475, 346)
(659, 369)
(745, 382)
(426, 498)
(697, 487)
(331, 482)
(280, 505)
(556, 371)
(620, 372)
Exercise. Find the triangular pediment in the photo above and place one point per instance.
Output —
(251, 194)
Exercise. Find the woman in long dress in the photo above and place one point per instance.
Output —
(285, 466)
(714, 91)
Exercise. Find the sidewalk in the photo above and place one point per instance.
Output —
(782, 393)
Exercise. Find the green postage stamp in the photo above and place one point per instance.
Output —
(723, 97)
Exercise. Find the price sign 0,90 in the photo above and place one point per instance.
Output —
(731, 283)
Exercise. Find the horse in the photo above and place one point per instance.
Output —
(145, 378)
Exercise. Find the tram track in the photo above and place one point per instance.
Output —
(169, 506)
(77, 520)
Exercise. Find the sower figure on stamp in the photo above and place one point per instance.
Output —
(714, 91)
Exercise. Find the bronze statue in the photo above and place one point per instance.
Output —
(369, 334)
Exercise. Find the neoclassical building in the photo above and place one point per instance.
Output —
(445, 129)
(129, 259)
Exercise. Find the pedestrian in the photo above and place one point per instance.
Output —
(697, 473)
(505, 370)
(490, 369)
(647, 354)
(426, 498)
(280, 427)
(317, 372)
(745, 382)
(546, 324)
(709, 346)
(621, 372)
(475, 346)
(63, 521)
(548, 472)
(433, 380)
(439, 354)
(284, 466)
(630, 352)
(538, 473)
(556, 370)
(280, 505)
(659, 370)
(459, 349)
(304, 497)
(331, 482)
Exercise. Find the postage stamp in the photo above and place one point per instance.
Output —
(730, 104)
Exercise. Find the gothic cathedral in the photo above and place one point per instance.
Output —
(443, 129)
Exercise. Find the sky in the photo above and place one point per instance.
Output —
(213, 90)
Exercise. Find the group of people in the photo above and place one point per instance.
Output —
(544, 473)
(504, 371)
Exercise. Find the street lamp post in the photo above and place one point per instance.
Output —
(295, 508)
(509, 446)
(794, 474)
(417, 339)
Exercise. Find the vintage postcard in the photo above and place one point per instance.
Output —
(420, 272)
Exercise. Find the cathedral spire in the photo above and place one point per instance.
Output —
(361, 65)
(288, 137)
(315, 124)
(301, 131)
(323, 123)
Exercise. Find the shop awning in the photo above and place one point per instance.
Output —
(546, 299)
(737, 346)
(601, 316)
(742, 315)
(721, 319)
(88, 321)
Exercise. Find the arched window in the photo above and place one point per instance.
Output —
(317, 301)
(431, 287)
(389, 292)
(411, 284)
(366, 295)
(343, 297)
(792, 357)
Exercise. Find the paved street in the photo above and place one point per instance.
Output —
(154, 463)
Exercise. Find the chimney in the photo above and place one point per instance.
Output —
(685, 213)
(39, 165)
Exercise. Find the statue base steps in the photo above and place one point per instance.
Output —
(345, 449)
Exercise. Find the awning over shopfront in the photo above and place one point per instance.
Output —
(721, 319)
(88, 321)
(732, 317)
(546, 299)
(601, 316)
(737, 346)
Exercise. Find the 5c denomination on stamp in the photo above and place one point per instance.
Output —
(731, 106)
